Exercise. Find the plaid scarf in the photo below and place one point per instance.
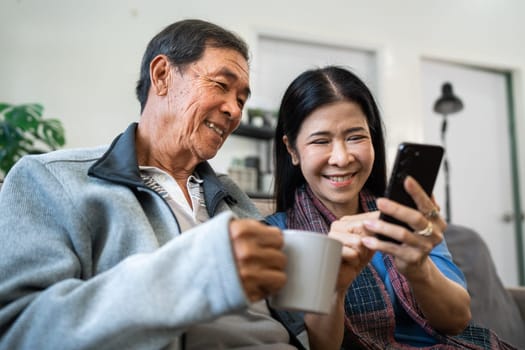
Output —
(369, 314)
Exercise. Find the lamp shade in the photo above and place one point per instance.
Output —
(448, 103)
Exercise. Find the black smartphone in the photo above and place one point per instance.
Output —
(422, 162)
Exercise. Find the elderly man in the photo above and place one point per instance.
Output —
(141, 245)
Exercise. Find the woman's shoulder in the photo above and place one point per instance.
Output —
(277, 219)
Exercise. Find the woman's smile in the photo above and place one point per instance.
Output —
(340, 180)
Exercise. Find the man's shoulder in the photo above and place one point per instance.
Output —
(72, 155)
(61, 161)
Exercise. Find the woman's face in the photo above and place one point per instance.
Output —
(335, 152)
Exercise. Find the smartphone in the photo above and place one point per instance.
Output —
(422, 162)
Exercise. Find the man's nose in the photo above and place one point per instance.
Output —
(232, 109)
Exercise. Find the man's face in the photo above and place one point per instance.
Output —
(205, 101)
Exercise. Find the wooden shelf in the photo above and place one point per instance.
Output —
(255, 133)
(262, 133)
(260, 195)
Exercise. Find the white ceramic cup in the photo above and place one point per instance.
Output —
(312, 268)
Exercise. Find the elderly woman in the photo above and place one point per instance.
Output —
(330, 171)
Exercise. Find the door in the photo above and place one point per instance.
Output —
(478, 149)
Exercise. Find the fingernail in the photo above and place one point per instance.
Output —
(382, 203)
(354, 239)
(369, 242)
(371, 224)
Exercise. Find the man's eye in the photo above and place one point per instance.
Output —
(241, 103)
(222, 85)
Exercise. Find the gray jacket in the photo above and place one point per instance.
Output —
(87, 258)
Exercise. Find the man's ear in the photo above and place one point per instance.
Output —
(291, 151)
(159, 71)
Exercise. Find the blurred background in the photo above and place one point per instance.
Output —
(80, 60)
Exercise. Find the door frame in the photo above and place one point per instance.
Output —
(518, 211)
(510, 75)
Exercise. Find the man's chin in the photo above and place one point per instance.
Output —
(205, 156)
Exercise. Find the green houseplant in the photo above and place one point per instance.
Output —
(23, 130)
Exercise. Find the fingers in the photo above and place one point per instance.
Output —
(358, 217)
(259, 257)
(352, 246)
(412, 217)
(406, 237)
(353, 223)
(410, 255)
(253, 230)
(414, 248)
(425, 230)
(422, 200)
(355, 255)
(259, 284)
(419, 219)
(349, 230)
(427, 206)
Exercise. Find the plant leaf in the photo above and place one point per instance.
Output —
(23, 131)
(22, 118)
(4, 106)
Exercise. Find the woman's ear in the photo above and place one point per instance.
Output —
(291, 151)
(159, 70)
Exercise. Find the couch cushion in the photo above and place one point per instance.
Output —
(492, 306)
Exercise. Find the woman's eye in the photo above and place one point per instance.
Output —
(355, 137)
(319, 142)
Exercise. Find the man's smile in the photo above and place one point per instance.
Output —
(214, 127)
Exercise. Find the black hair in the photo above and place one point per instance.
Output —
(309, 91)
(184, 42)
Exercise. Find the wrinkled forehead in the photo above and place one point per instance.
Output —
(226, 63)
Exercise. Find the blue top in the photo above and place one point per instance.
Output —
(407, 331)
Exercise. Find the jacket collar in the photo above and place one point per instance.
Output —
(119, 165)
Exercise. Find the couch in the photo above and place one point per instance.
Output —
(500, 308)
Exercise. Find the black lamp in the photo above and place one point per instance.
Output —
(447, 104)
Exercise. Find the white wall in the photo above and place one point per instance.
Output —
(81, 58)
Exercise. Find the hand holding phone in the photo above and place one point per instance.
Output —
(422, 162)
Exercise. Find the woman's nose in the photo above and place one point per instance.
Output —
(340, 155)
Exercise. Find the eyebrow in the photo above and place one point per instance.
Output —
(347, 131)
(232, 76)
